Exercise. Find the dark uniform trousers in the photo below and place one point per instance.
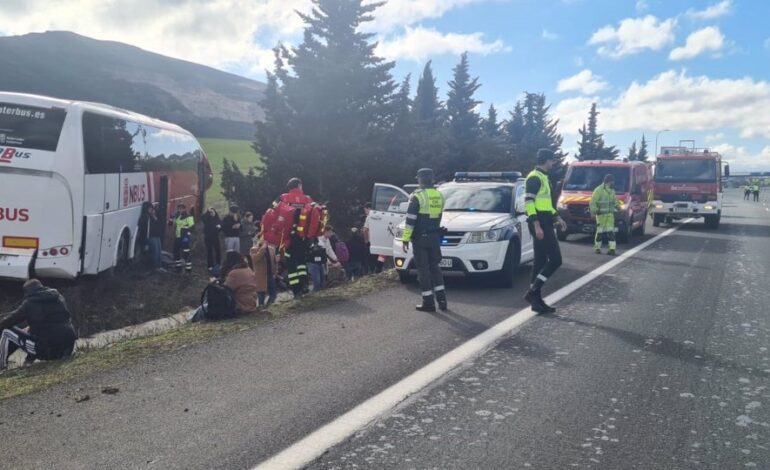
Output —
(427, 256)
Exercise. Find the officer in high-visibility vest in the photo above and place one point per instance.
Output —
(603, 205)
(755, 190)
(423, 228)
(183, 224)
(541, 218)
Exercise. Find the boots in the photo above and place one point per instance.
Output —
(441, 299)
(535, 299)
(427, 305)
(613, 246)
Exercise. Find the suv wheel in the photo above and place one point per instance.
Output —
(505, 278)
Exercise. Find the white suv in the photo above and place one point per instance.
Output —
(485, 224)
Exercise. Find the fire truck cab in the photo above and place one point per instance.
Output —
(688, 184)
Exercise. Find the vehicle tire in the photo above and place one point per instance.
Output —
(669, 221)
(504, 279)
(712, 221)
(405, 277)
(657, 219)
(642, 228)
(562, 235)
(122, 261)
(624, 236)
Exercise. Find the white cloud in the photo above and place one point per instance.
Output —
(642, 6)
(584, 81)
(398, 13)
(674, 100)
(420, 43)
(703, 40)
(741, 159)
(634, 35)
(711, 138)
(714, 11)
(549, 35)
(235, 34)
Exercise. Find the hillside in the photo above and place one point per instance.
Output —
(208, 102)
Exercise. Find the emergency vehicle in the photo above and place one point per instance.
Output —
(73, 177)
(485, 222)
(633, 186)
(688, 184)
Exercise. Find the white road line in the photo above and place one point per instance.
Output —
(315, 444)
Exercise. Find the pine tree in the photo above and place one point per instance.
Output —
(643, 154)
(490, 125)
(591, 145)
(633, 155)
(464, 122)
(428, 109)
(331, 107)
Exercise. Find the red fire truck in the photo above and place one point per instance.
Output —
(688, 184)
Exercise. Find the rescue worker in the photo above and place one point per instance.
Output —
(541, 218)
(423, 229)
(603, 205)
(295, 256)
(755, 190)
(183, 224)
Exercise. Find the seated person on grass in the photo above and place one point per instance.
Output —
(49, 333)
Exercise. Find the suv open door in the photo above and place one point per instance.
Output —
(388, 211)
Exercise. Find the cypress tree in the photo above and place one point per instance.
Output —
(464, 122)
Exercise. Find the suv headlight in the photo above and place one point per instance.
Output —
(494, 235)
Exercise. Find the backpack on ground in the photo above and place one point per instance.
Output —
(341, 250)
(217, 302)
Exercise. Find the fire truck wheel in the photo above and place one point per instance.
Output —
(657, 219)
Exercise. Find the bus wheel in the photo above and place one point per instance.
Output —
(122, 261)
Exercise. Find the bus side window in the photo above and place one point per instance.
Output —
(168, 150)
(112, 145)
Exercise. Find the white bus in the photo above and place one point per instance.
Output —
(73, 177)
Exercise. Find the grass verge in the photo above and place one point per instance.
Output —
(26, 380)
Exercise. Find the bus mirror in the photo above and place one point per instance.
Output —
(727, 170)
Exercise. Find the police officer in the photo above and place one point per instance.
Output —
(541, 218)
(603, 205)
(423, 227)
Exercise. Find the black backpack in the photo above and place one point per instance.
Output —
(217, 302)
(317, 254)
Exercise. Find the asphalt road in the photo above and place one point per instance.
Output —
(662, 363)
(636, 357)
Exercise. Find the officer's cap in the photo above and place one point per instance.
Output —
(425, 174)
(545, 155)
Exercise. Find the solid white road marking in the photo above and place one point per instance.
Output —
(315, 444)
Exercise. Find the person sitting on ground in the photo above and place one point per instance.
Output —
(239, 278)
(50, 334)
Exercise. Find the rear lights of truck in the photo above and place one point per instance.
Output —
(55, 251)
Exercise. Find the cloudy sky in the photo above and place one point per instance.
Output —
(698, 68)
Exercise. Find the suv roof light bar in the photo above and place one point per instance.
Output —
(487, 175)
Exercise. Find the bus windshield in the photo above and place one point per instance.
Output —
(30, 127)
(588, 178)
(686, 170)
(475, 198)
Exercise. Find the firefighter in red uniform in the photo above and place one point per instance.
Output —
(296, 253)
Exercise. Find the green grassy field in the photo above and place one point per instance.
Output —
(238, 151)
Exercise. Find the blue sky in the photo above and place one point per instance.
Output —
(699, 68)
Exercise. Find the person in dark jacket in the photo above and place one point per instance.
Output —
(157, 233)
(358, 255)
(143, 228)
(50, 334)
(211, 227)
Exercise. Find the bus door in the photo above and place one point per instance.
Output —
(93, 221)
